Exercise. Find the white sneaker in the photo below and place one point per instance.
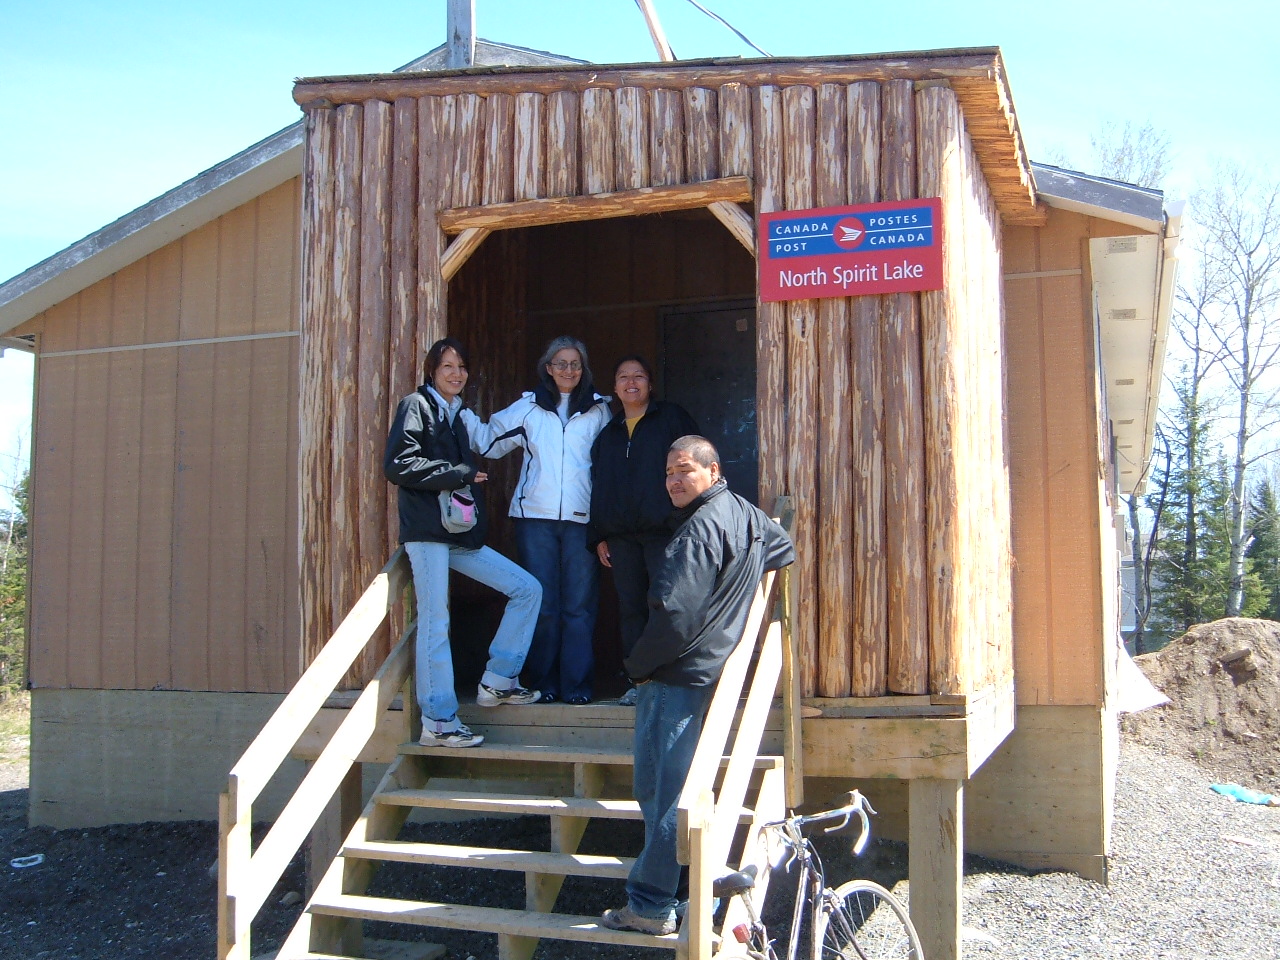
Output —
(462, 737)
(628, 699)
(489, 697)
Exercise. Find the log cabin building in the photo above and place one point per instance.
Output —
(216, 373)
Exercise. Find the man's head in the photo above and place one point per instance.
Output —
(693, 467)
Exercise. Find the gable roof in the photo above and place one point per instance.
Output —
(190, 205)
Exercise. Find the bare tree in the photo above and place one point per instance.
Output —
(1240, 220)
(1132, 153)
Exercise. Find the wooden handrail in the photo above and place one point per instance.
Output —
(246, 877)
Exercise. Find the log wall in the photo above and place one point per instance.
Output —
(881, 416)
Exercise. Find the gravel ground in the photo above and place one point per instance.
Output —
(1179, 887)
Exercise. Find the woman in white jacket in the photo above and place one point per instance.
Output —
(555, 425)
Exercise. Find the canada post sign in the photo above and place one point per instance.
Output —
(893, 247)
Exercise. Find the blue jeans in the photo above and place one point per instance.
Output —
(561, 660)
(431, 563)
(668, 724)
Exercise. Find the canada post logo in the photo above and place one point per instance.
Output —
(809, 236)
(873, 248)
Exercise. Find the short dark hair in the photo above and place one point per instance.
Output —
(633, 358)
(437, 352)
(701, 450)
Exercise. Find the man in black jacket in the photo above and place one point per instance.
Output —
(698, 609)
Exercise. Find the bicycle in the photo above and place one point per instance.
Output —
(858, 920)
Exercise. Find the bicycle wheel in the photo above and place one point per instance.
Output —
(864, 921)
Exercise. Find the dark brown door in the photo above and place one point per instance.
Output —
(709, 368)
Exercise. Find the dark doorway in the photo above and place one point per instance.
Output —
(709, 368)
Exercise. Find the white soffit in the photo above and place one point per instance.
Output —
(1132, 278)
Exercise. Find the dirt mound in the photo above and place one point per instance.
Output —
(1224, 681)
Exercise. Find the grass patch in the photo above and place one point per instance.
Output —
(15, 728)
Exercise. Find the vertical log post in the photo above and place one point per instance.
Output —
(373, 331)
(702, 134)
(344, 503)
(314, 406)
(905, 536)
(562, 144)
(771, 318)
(799, 140)
(632, 150)
(838, 412)
(403, 363)
(666, 137)
(869, 664)
(943, 355)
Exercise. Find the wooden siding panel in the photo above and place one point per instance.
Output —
(228, 459)
(164, 294)
(86, 494)
(276, 260)
(198, 316)
(237, 264)
(122, 513)
(52, 537)
(156, 477)
(269, 580)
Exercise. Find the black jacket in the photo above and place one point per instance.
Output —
(699, 603)
(629, 489)
(426, 454)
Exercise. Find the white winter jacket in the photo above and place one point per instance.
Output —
(555, 479)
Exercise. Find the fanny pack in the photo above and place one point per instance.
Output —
(458, 511)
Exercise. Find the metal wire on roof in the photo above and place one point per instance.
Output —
(742, 36)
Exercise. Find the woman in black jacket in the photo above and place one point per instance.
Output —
(428, 452)
(630, 508)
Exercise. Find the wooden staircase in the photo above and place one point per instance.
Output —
(340, 897)
(731, 791)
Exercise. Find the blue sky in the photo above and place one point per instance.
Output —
(107, 105)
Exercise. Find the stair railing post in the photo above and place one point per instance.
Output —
(235, 847)
(697, 918)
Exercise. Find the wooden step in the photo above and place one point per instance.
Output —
(523, 804)
(520, 923)
(475, 801)
(519, 751)
(550, 754)
(485, 858)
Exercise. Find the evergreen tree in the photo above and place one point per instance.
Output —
(13, 591)
(1264, 551)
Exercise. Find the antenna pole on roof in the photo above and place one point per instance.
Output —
(462, 34)
(655, 30)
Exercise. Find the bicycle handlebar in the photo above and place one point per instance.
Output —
(857, 804)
